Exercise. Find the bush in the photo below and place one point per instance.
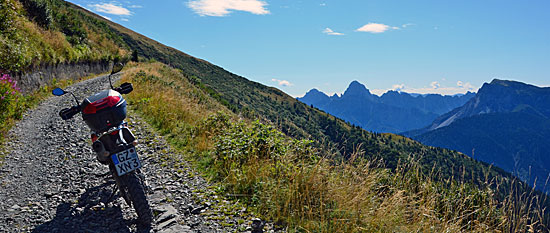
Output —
(39, 11)
(10, 102)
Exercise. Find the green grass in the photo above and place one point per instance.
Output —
(39, 32)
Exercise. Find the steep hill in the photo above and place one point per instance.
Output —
(393, 112)
(507, 124)
(34, 33)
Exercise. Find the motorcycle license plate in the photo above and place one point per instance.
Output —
(126, 161)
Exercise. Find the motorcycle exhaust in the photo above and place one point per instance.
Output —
(102, 154)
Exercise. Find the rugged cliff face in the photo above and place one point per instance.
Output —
(33, 79)
(506, 124)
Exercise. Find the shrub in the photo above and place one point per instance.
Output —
(10, 102)
(39, 11)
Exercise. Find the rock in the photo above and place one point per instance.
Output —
(167, 223)
(198, 210)
(167, 212)
(176, 229)
(257, 225)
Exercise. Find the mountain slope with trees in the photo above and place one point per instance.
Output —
(506, 124)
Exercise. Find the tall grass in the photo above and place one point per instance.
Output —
(290, 182)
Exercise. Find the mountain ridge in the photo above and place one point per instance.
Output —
(496, 96)
(392, 112)
(506, 124)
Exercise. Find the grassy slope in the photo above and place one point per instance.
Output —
(38, 32)
(337, 138)
(286, 180)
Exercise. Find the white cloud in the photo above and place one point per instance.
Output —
(329, 31)
(124, 19)
(135, 6)
(434, 88)
(378, 92)
(282, 83)
(407, 25)
(111, 9)
(398, 87)
(106, 17)
(375, 28)
(224, 7)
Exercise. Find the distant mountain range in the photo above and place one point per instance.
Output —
(507, 124)
(393, 112)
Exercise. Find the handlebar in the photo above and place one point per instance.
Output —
(68, 113)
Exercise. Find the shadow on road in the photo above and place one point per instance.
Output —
(92, 213)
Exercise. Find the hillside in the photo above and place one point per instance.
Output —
(290, 182)
(48, 32)
(506, 124)
(393, 112)
(284, 146)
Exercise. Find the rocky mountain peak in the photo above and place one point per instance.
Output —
(356, 89)
(501, 96)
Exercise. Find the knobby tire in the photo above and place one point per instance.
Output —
(137, 195)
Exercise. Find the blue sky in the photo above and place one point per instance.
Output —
(445, 47)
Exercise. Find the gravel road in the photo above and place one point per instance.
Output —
(51, 181)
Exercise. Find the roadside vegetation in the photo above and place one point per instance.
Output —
(297, 185)
(41, 32)
(13, 103)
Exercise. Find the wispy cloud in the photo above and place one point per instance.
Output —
(433, 88)
(106, 17)
(375, 28)
(329, 31)
(135, 6)
(398, 87)
(225, 7)
(408, 25)
(282, 83)
(110, 8)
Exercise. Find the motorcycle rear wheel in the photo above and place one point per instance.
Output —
(135, 190)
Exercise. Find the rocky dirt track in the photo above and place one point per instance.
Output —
(50, 180)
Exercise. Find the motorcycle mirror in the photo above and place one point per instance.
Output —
(117, 67)
(125, 88)
(58, 92)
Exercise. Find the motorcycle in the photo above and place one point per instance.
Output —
(112, 141)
